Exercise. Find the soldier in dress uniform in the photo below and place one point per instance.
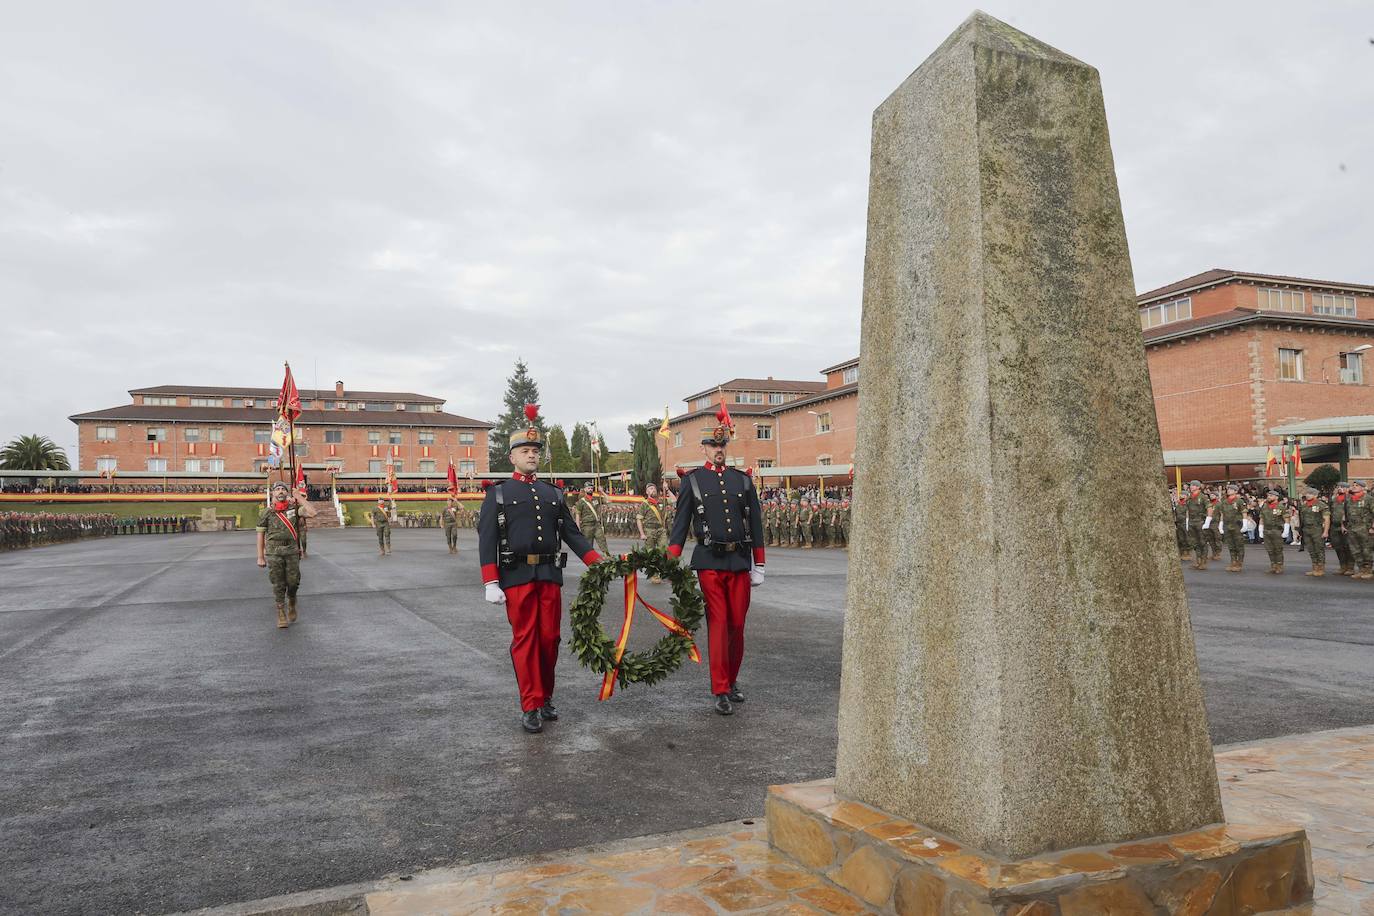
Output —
(1196, 510)
(520, 533)
(1273, 519)
(1340, 541)
(279, 547)
(1359, 517)
(719, 506)
(450, 521)
(1231, 513)
(380, 518)
(589, 519)
(1314, 517)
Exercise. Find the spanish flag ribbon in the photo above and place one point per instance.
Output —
(669, 622)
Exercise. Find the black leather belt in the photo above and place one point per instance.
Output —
(534, 559)
(720, 548)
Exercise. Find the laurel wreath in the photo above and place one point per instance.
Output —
(596, 650)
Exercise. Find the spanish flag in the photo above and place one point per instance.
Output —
(1269, 462)
(391, 484)
(1297, 457)
(663, 427)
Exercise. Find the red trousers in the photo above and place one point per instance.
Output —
(727, 604)
(535, 612)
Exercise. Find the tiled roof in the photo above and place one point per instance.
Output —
(307, 394)
(830, 393)
(760, 384)
(1219, 275)
(838, 366)
(265, 415)
(1235, 317)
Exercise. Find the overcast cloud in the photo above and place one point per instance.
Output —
(640, 199)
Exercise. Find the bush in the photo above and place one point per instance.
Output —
(1324, 478)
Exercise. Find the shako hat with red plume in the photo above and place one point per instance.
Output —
(529, 436)
(725, 428)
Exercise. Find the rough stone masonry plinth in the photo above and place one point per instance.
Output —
(1019, 673)
(900, 867)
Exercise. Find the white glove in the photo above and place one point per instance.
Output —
(494, 593)
(756, 577)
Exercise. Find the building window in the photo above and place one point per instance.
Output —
(823, 422)
(749, 397)
(1290, 365)
(467, 438)
(393, 438)
(374, 437)
(193, 465)
(734, 462)
(157, 465)
(823, 461)
(677, 440)
(260, 402)
(1154, 315)
(1352, 369)
(106, 465)
(262, 435)
(467, 468)
(105, 433)
(1359, 447)
(192, 433)
(215, 465)
(157, 433)
(333, 436)
(776, 398)
(216, 433)
(150, 401)
(371, 406)
(703, 403)
(426, 467)
(207, 402)
(374, 465)
(765, 462)
(1282, 300)
(1328, 304)
(851, 375)
(236, 402)
(398, 465)
(763, 431)
(426, 437)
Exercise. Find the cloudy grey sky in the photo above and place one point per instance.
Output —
(638, 198)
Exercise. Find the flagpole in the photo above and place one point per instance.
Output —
(290, 434)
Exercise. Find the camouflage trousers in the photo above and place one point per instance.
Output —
(1361, 548)
(1197, 539)
(451, 535)
(383, 537)
(655, 539)
(284, 572)
(1316, 547)
(1273, 545)
(1340, 542)
(597, 536)
(1235, 544)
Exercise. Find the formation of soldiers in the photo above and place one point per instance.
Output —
(806, 523)
(35, 529)
(155, 524)
(1205, 519)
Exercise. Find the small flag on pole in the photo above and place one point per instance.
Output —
(1269, 462)
(452, 479)
(289, 400)
(663, 427)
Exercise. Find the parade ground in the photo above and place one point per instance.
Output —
(166, 747)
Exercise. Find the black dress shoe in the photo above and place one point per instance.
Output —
(723, 704)
(735, 695)
(530, 722)
(548, 713)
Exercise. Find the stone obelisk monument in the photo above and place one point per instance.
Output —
(1019, 669)
(1019, 680)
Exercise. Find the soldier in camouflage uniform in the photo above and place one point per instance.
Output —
(588, 516)
(1273, 518)
(380, 518)
(1212, 533)
(1185, 550)
(844, 522)
(1340, 541)
(450, 520)
(1314, 517)
(651, 521)
(804, 516)
(1359, 522)
(1231, 510)
(279, 547)
(1196, 511)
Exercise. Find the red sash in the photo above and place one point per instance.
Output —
(289, 527)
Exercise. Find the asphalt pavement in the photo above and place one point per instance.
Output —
(167, 747)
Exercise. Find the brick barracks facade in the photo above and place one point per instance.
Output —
(1231, 355)
(223, 430)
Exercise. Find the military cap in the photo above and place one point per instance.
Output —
(1234, 487)
(1195, 483)
(720, 435)
(529, 436)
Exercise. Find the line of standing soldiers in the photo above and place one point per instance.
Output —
(804, 523)
(155, 524)
(34, 529)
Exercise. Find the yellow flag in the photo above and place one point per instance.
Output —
(663, 427)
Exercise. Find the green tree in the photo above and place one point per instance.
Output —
(647, 466)
(559, 454)
(33, 453)
(1324, 478)
(581, 448)
(521, 389)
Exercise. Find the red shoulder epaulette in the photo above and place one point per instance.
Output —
(749, 471)
(486, 484)
(681, 471)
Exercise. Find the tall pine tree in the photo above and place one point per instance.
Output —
(648, 468)
(521, 389)
(581, 448)
(558, 450)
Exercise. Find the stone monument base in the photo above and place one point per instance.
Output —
(900, 867)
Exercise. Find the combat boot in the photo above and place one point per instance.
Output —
(1317, 570)
(291, 609)
(1347, 569)
(1366, 572)
(281, 616)
(1186, 555)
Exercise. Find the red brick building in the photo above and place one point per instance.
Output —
(227, 430)
(1232, 355)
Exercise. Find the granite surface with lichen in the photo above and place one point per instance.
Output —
(1019, 669)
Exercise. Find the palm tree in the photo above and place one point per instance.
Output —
(33, 453)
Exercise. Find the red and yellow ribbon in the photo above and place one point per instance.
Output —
(669, 622)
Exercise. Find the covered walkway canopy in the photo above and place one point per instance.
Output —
(1245, 455)
(1362, 425)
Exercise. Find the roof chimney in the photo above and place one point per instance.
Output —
(338, 389)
